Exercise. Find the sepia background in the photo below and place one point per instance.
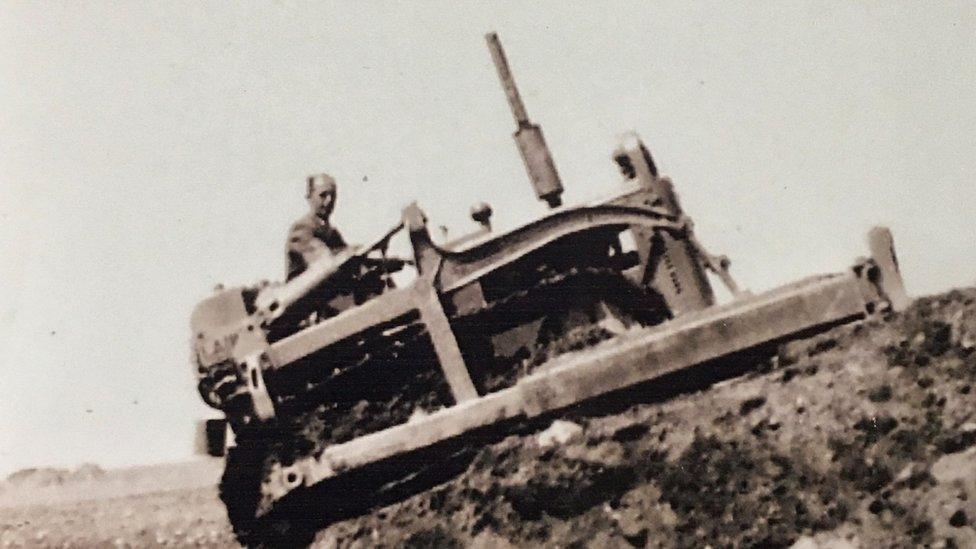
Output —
(148, 153)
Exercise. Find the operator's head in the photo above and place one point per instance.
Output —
(321, 194)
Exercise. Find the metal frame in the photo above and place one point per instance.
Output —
(747, 322)
(442, 272)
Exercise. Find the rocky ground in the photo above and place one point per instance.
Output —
(864, 436)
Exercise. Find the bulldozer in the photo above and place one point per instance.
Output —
(342, 376)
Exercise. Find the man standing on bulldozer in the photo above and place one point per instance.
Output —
(313, 236)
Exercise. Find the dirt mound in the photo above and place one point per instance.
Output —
(865, 435)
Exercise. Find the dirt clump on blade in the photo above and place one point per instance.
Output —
(863, 436)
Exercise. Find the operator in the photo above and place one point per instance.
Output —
(313, 236)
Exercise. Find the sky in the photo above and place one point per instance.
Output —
(151, 151)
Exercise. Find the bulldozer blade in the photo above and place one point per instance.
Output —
(882, 247)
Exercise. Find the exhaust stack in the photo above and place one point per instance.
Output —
(531, 144)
